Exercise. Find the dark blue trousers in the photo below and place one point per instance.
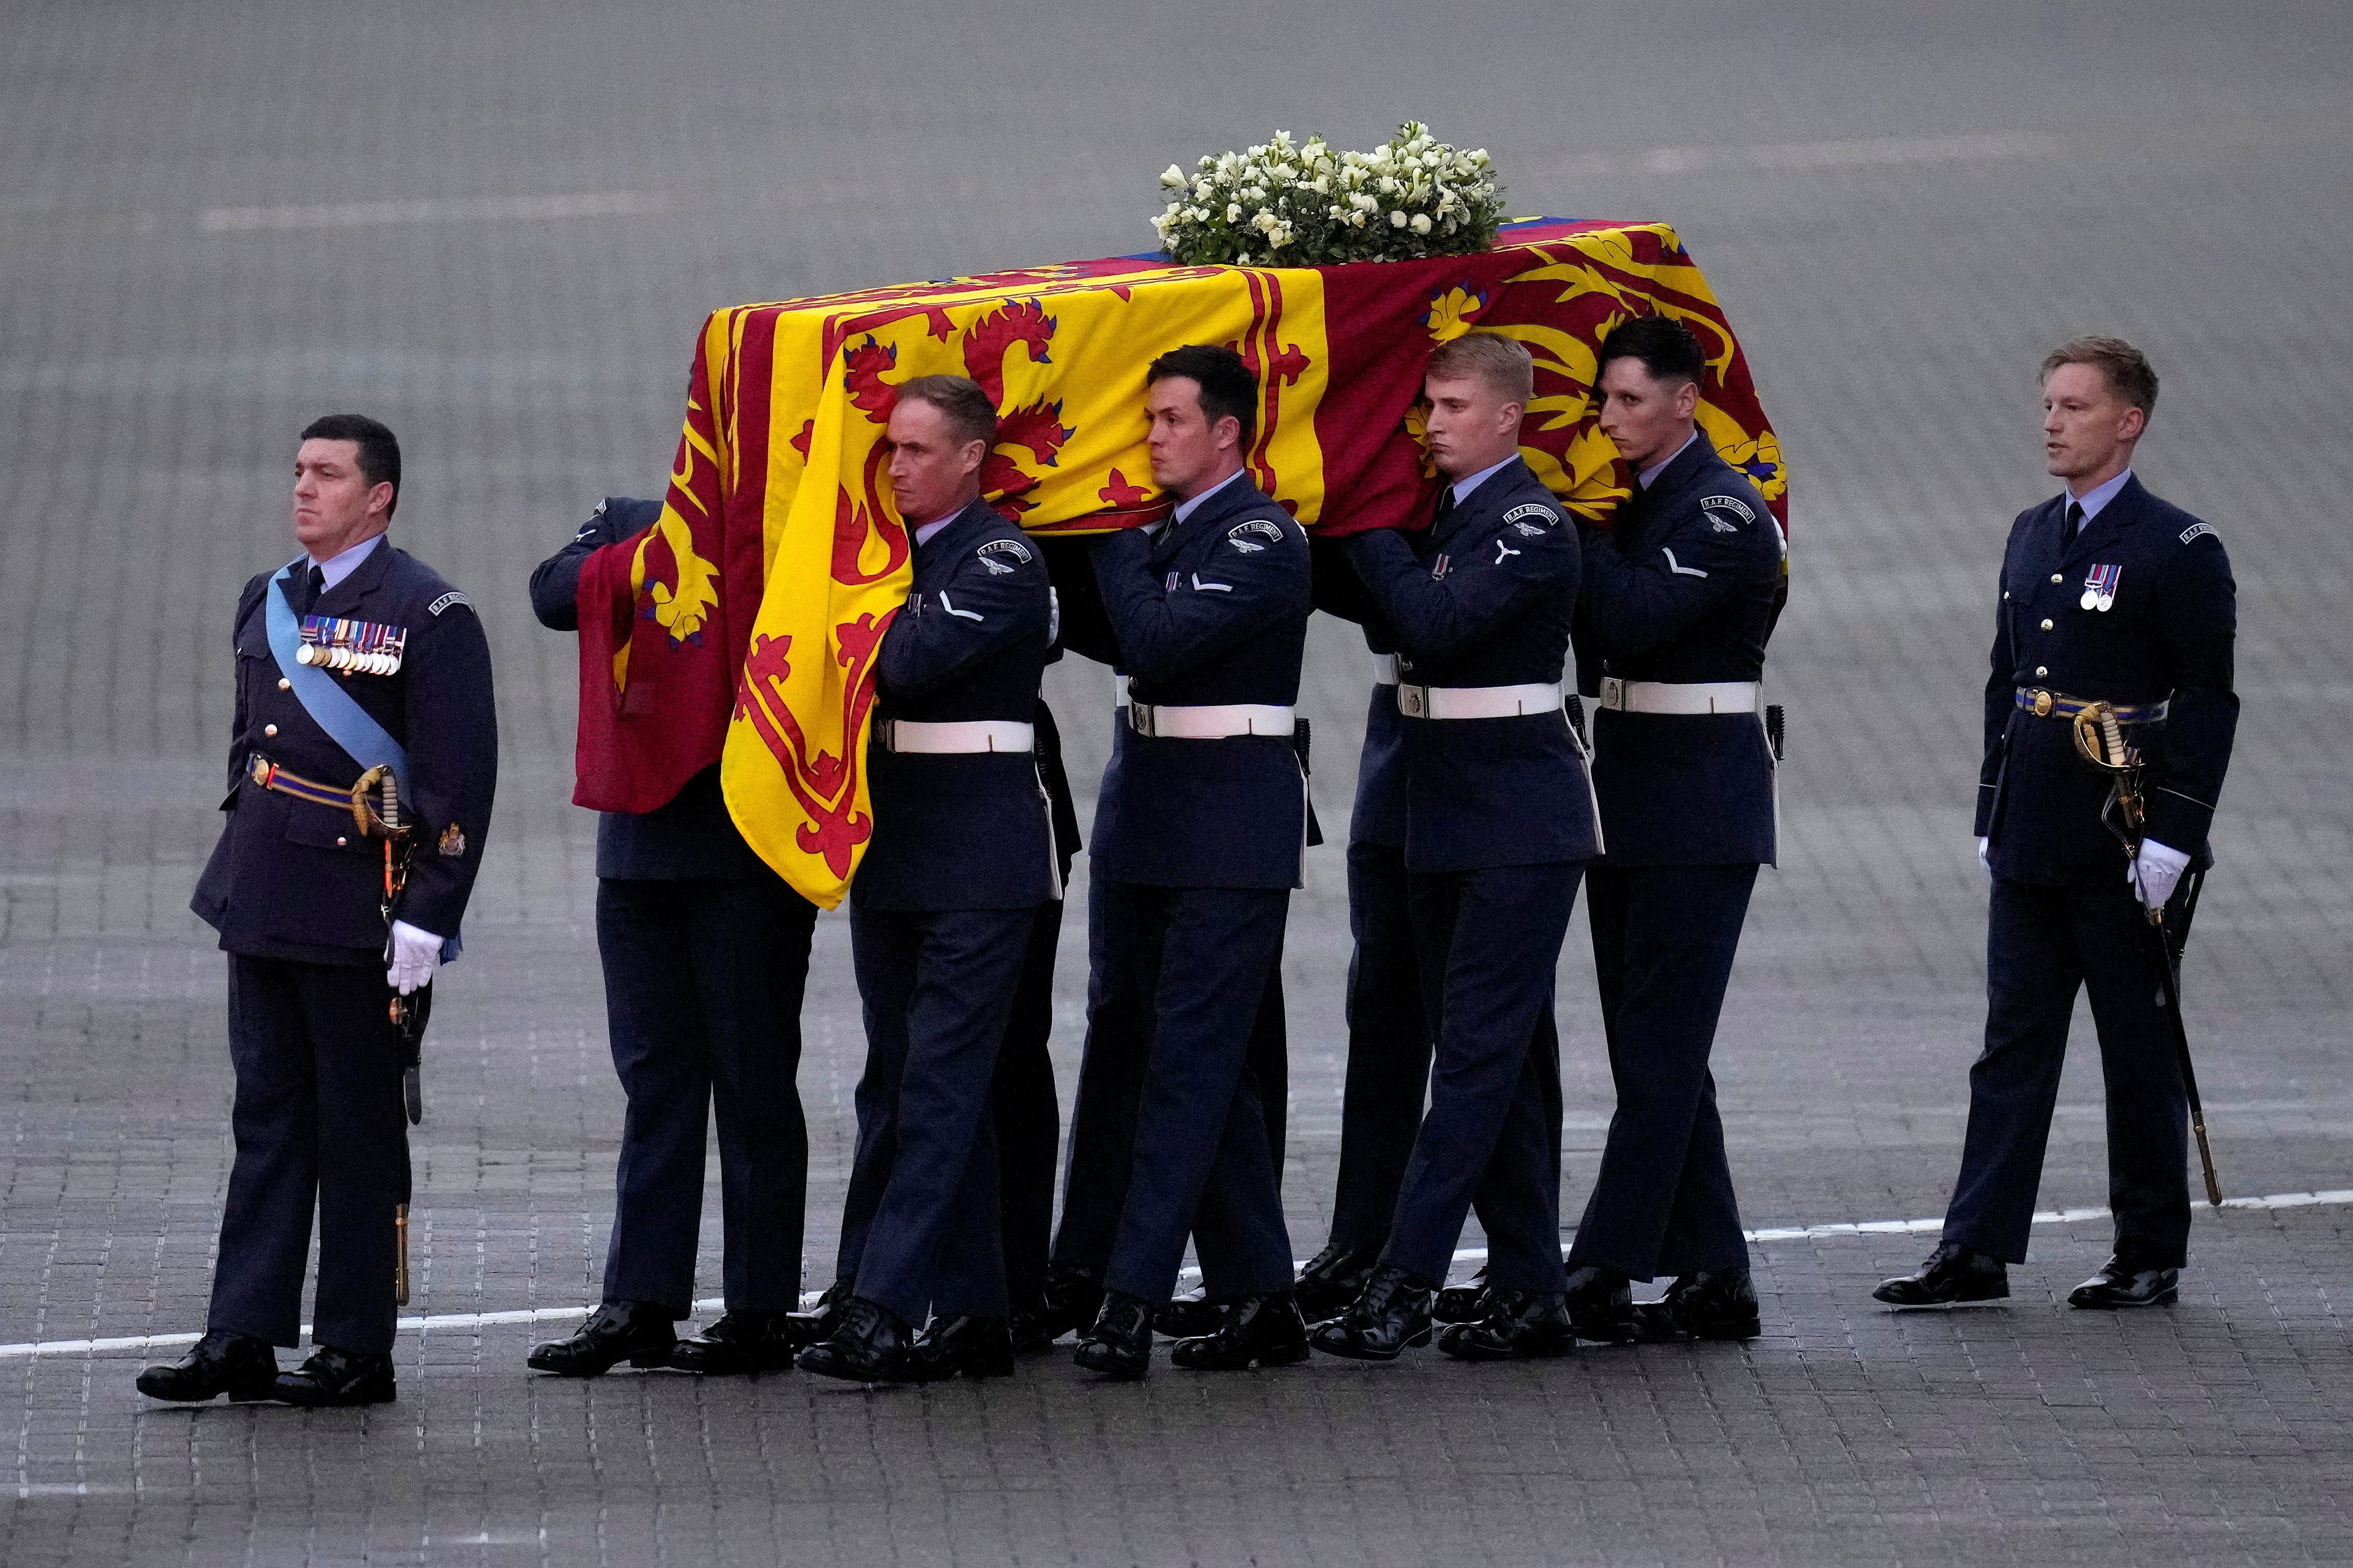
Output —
(1389, 1052)
(1110, 1082)
(2043, 944)
(1489, 942)
(1028, 1119)
(1203, 1164)
(704, 980)
(1664, 942)
(318, 1123)
(937, 988)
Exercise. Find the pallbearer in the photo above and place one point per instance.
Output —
(1678, 598)
(944, 903)
(2108, 595)
(705, 953)
(1199, 837)
(353, 657)
(1498, 825)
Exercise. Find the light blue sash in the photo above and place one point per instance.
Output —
(331, 707)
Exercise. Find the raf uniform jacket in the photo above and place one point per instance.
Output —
(692, 835)
(1207, 612)
(965, 830)
(1683, 589)
(2166, 637)
(1483, 598)
(1378, 814)
(292, 879)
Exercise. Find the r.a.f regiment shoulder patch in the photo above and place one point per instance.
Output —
(446, 601)
(1244, 536)
(2194, 530)
(1709, 505)
(1008, 547)
(1531, 508)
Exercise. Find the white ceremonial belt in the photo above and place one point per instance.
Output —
(1118, 689)
(1218, 721)
(1661, 696)
(963, 735)
(1479, 702)
(1385, 669)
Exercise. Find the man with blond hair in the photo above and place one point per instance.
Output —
(2108, 594)
(1498, 824)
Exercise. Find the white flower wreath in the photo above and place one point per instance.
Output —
(1287, 203)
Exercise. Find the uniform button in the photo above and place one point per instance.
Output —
(2039, 672)
(270, 729)
(2046, 625)
(284, 684)
(341, 841)
(2056, 577)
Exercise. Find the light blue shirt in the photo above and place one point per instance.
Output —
(335, 568)
(924, 534)
(1192, 503)
(1649, 476)
(1463, 488)
(2099, 497)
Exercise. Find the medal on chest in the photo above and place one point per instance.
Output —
(2100, 587)
(354, 647)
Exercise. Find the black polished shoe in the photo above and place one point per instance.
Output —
(738, 1343)
(2121, 1283)
(1705, 1304)
(1953, 1275)
(822, 1321)
(1068, 1305)
(1333, 1278)
(874, 1345)
(961, 1347)
(1520, 1325)
(638, 1332)
(331, 1378)
(1188, 1317)
(244, 1368)
(1256, 1331)
(1602, 1306)
(1120, 1342)
(1463, 1303)
(1389, 1318)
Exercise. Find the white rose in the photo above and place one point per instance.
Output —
(1398, 220)
(1421, 223)
(1173, 175)
(1233, 212)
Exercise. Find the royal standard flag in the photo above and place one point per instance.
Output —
(741, 629)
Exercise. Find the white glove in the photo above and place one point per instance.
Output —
(2156, 872)
(1985, 855)
(416, 955)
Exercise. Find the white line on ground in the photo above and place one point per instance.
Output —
(461, 209)
(432, 1320)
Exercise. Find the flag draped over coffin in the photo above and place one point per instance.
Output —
(743, 626)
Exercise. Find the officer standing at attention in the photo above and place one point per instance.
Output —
(705, 952)
(1499, 823)
(354, 656)
(944, 903)
(1200, 834)
(2108, 595)
(1678, 601)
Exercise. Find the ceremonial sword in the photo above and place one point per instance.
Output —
(376, 807)
(2100, 740)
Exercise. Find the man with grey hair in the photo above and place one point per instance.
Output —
(1498, 822)
(2108, 596)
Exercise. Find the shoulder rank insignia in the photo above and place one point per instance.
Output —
(1244, 536)
(1531, 508)
(1013, 547)
(446, 601)
(354, 647)
(453, 841)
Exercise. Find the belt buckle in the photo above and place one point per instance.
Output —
(1413, 702)
(1613, 693)
(883, 732)
(1139, 716)
(2042, 703)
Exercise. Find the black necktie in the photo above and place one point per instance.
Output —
(2074, 519)
(314, 584)
(1445, 505)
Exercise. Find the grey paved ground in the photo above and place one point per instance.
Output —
(1901, 207)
